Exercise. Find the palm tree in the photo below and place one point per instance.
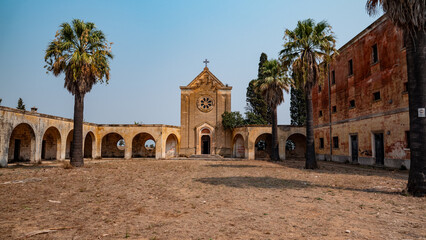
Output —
(81, 52)
(271, 86)
(410, 16)
(305, 48)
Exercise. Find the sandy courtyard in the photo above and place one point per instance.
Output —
(200, 199)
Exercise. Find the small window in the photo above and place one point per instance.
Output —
(321, 143)
(375, 53)
(335, 142)
(333, 77)
(407, 139)
(376, 96)
(351, 68)
(351, 103)
(405, 87)
(319, 88)
(334, 109)
(320, 113)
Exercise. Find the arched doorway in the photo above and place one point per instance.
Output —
(205, 144)
(295, 146)
(22, 144)
(113, 146)
(143, 146)
(239, 150)
(68, 152)
(50, 146)
(89, 142)
(172, 147)
(263, 146)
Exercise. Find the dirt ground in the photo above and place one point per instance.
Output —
(200, 199)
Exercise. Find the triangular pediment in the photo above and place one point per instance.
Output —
(206, 79)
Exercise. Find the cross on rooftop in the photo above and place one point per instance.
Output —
(206, 61)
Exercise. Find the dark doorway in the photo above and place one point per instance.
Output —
(43, 149)
(380, 148)
(17, 152)
(354, 146)
(205, 144)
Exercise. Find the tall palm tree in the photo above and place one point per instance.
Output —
(81, 52)
(410, 16)
(271, 86)
(305, 48)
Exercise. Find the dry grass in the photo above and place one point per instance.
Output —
(198, 199)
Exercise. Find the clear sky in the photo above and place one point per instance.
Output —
(158, 46)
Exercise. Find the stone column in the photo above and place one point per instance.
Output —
(63, 146)
(97, 154)
(36, 145)
(281, 146)
(250, 148)
(128, 148)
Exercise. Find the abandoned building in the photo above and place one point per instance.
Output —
(29, 135)
(361, 110)
(360, 116)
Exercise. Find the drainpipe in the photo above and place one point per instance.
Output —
(329, 113)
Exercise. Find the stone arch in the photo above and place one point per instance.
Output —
(238, 146)
(22, 143)
(263, 146)
(89, 145)
(51, 144)
(139, 147)
(295, 146)
(109, 146)
(69, 143)
(205, 139)
(172, 146)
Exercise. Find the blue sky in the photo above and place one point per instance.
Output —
(158, 46)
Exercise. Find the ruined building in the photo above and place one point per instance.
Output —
(361, 111)
(360, 116)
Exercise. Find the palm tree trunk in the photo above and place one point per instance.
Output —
(311, 161)
(416, 71)
(77, 147)
(275, 154)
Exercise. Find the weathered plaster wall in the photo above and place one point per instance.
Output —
(40, 123)
(388, 115)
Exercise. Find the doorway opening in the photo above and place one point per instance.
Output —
(205, 144)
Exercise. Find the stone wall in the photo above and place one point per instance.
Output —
(370, 100)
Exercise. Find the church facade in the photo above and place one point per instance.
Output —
(203, 101)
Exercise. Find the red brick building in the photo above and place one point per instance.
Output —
(361, 111)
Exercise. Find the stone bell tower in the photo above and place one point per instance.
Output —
(203, 101)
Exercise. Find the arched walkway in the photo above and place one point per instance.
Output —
(263, 146)
(295, 146)
(238, 148)
(69, 143)
(89, 142)
(143, 146)
(51, 144)
(22, 144)
(172, 146)
(112, 146)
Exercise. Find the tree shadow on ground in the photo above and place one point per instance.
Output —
(345, 168)
(277, 183)
(29, 166)
(232, 166)
(255, 182)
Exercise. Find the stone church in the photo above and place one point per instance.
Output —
(203, 101)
